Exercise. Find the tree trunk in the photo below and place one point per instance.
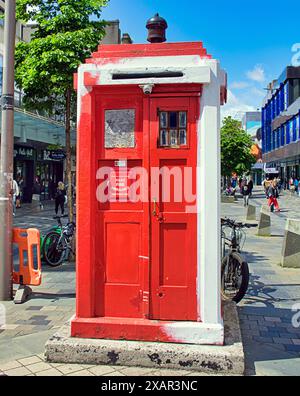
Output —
(69, 155)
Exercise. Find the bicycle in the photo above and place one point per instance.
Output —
(57, 244)
(234, 269)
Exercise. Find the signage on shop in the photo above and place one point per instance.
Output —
(22, 152)
(54, 155)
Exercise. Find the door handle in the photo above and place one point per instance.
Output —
(154, 207)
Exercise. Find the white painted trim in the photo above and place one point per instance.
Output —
(193, 68)
(208, 187)
(195, 333)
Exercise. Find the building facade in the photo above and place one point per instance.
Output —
(280, 124)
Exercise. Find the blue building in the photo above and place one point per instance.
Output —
(281, 124)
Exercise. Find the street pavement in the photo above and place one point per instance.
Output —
(271, 343)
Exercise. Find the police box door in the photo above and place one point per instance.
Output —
(173, 220)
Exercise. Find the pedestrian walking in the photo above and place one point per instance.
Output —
(37, 191)
(296, 184)
(60, 198)
(245, 190)
(273, 195)
(16, 193)
(250, 185)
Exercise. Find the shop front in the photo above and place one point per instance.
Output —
(24, 160)
(49, 170)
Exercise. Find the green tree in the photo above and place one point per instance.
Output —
(66, 33)
(235, 148)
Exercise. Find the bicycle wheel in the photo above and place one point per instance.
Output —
(53, 250)
(234, 277)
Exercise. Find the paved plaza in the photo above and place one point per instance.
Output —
(271, 343)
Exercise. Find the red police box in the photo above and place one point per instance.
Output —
(148, 264)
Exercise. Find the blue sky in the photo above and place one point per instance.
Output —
(253, 40)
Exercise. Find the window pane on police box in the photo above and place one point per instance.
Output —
(173, 119)
(173, 138)
(182, 119)
(164, 138)
(119, 128)
(163, 119)
(182, 137)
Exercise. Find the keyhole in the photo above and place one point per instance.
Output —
(160, 294)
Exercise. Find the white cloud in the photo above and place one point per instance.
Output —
(235, 107)
(258, 92)
(239, 85)
(257, 74)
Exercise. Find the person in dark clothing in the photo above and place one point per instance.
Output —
(250, 185)
(245, 192)
(60, 198)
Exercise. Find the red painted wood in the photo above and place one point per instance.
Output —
(86, 206)
(142, 50)
(173, 240)
(121, 228)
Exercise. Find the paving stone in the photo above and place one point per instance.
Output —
(281, 340)
(36, 367)
(292, 348)
(267, 340)
(30, 360)
(81, 373)
(272, 319)
(269, 334)
(136, 371)
(34, 308)
(170, 373)
(114, 374)
(101, 370)
(10, 365)
(52, 372)
(17, 372)
(9, 326)
(69, 368)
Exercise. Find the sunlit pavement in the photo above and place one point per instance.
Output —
(271, 343)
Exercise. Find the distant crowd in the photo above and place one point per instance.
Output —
(272, 188)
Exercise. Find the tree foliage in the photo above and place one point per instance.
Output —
(65, 35)
(235, 148)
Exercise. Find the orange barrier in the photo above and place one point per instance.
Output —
(28, 242)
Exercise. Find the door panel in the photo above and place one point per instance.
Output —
(121, 228)
(173, 226)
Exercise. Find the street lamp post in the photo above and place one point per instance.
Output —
(6, 158)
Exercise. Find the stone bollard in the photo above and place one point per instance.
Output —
(251, 212)
(264, 226)
(290, 256)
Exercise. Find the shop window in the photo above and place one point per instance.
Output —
(173, 129)
(119, 128)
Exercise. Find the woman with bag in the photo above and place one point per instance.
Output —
(273, 194)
